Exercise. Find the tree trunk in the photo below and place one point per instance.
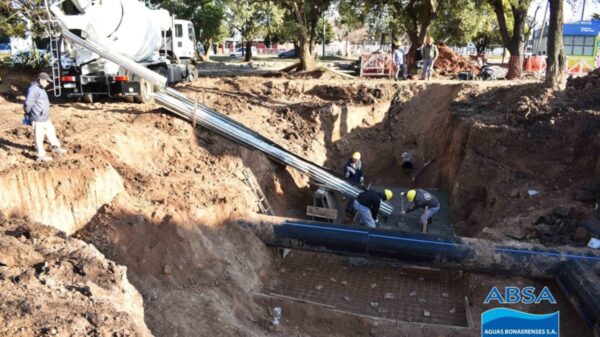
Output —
(207, 47)
(411, 61)
(515, 43)
(307, 60)
(248, 57)
(515, 63)
(555, 71)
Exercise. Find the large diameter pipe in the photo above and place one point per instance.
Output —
(458, 253)
(184, 107)
(581, 284)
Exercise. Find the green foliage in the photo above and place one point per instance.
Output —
(487, 35)
(328, 32)
(32, 60)
(209, 22)
(457, 22)
(254, 19)
(285, 31)
(462, 21)
(14, 15)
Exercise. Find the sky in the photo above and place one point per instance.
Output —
(572, 12)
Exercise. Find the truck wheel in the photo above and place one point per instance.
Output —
(88, 98)
(146, 90)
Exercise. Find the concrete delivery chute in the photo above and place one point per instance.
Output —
(184, 107)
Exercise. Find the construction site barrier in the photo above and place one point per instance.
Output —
(376, 64)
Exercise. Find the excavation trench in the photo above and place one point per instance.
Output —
(159, 198)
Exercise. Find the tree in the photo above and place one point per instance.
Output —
(555, 69)
(348, 22)
(412, 17)
(459, 23)
(415, 17)
(515, 41)
(329, 35)
(252, 19)
(209, 22)
(306, 15)
(487, 34)
(18, 17)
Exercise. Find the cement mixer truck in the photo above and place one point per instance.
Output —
(151, 37)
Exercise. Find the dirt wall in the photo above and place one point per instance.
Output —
(53, 285)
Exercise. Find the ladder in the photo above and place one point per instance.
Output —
(263, 203)
(54, 34)
(55, 64)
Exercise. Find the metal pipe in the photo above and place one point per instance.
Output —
(185, 107)
(581, 284)
(407, 162)
(444, 252)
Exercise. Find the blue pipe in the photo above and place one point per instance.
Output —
(418, 248)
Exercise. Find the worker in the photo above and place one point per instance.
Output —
(367, 205)
(430, 54)
(420, 199)
(399, 63)
(353, 169)
(37, 109)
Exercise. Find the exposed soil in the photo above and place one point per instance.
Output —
(156, 196)
(53, 285)
(450, 63)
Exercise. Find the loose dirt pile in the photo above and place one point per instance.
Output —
(53, 285)
(586, 89)
(450, 63)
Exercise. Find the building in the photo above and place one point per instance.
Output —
(581, 41)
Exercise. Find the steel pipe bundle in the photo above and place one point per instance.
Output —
(184, 107)
(443, 252)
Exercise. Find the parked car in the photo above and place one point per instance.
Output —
(239, 52)
(292, 53)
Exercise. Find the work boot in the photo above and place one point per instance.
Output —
(58, 150)
(44, 158)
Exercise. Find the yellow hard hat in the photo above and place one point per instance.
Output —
(388, 194)
(410, 195)
(356, 155)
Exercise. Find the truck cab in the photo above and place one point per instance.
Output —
(184, 41)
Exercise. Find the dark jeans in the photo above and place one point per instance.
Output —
(404, 71)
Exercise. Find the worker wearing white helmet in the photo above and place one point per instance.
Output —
(420, 199)
(353, 169)
(367, 205)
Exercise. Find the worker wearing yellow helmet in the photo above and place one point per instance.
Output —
(421, 198)
(367, 205)
(353, 169)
